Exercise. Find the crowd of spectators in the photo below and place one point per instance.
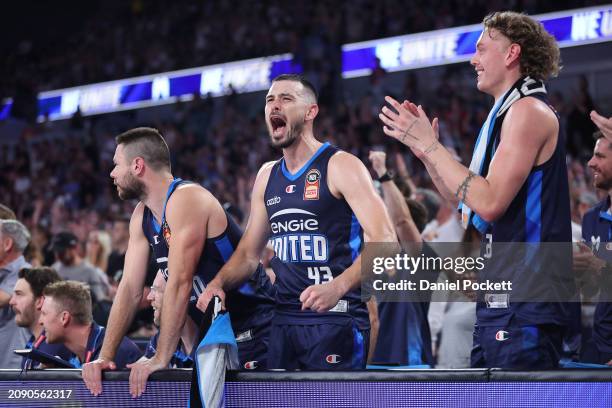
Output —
(147, 37)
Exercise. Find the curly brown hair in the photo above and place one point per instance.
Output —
(540, 56)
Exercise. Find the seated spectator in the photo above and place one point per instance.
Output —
(71, 266)
(26, 302)
(183, 356)
(67, 319)
(14, 238)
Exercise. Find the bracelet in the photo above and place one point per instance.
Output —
(388, 176)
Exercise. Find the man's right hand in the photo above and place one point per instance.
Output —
(211, 291)
(92, 374)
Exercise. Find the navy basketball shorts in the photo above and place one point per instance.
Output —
(253, 347)
(592, 354)
(511, 346)
(327, 346)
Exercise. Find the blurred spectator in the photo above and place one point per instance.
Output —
(98, 249)
(66, 317)
(26, 302)
(71, 266)
(6, 213)
(14, 238)
(120, 233)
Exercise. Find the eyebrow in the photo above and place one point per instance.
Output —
(280, 95)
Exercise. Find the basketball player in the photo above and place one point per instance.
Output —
(604, 124)
(313, 206)
(516, 188)
(191, 237)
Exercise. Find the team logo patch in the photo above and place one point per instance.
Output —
(501, 335)
(290, 189)
(609, 246)
(333, 359)
(311, 187)
(250, 365)
(166, 232)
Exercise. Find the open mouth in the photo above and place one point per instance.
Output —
(278, 125)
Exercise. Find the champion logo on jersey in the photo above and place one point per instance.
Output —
(333, 359)
(501, 335)
(250, 365)
(290, 189)
(311, 187)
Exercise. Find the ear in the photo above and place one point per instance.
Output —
(513, 54)
(312, 112)
(38, 303)
(138, 165)
(7, 244)
(66, 317)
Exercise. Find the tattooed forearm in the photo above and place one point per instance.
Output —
(432, 148)
(463, 187)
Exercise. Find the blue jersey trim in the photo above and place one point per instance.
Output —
(293, 177)
(358, 349)
(225, 248)
(171, 187)
(355, 237)
(415, 343)
(533, 209)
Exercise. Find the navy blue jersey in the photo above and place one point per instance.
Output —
(597, 233)
(315, 237)
(127, 352)
(179, 359)
(250, 305)
(539, 213)
(57, 350)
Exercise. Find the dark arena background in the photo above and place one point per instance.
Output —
(75, 74)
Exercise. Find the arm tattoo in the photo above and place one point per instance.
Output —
(463, 187)
(432, 147)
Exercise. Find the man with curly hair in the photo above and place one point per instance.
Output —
(515, 190)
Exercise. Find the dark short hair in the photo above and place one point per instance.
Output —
(6, 213)
(147, 143)
(540, 55)
(302, 80)
(73, 297)
(39, 278)
(418, 212)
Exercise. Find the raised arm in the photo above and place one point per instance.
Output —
(528, 137)
(125, 303)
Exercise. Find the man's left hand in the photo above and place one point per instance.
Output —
(140, 372)
(321, 298)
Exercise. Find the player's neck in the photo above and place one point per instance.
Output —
(610, 196)
(300, 152)
(157, 190)
(77, 339)
(505, 85)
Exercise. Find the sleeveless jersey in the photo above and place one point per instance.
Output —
(251, 305)
(539, 213)
(315, 237)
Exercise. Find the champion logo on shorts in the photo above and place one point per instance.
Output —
(501, 335)
(290, 189)
(250, 365)
(333, 359)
